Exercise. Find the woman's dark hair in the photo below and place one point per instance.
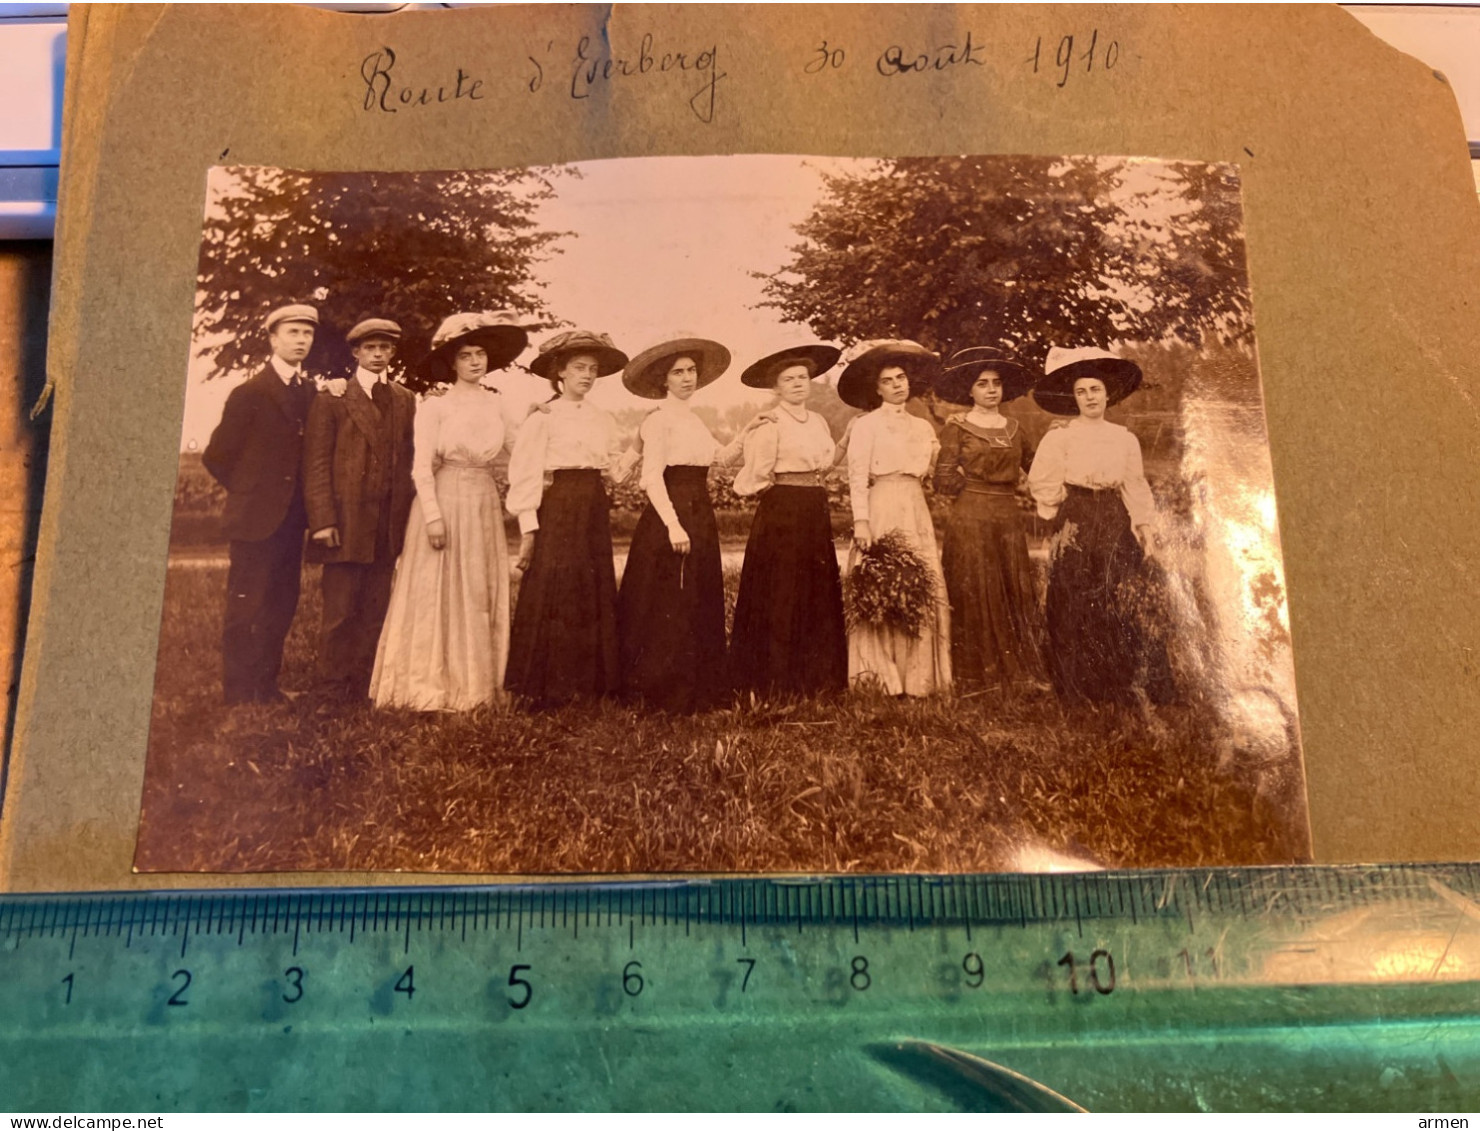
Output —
(870, 394)
(791, 363)
(562, 359)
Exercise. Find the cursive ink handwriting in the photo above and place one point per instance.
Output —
(383, 93)
(592, 67)
(895, 61)
(1064, 59)
(825, 58)
(1097, 52)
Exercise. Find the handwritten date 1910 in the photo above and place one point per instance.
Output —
(1063, 60)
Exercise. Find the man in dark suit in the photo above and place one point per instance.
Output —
(358, 490)
(256, 453)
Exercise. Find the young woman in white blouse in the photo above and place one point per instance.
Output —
(788, 636)
(1088, 476)
(445, 640)
(564, 642)
(671, 608)
(890, 452)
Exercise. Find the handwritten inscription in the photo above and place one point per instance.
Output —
(593, 66)
(896, 60)
(826, 57)
(385, 93)
(1064, 60)
(1055, 59)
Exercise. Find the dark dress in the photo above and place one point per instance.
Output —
(671, 609)
(789, 635)
(1102, 604)
(1106, 603)
(563, 643)
(997, 630)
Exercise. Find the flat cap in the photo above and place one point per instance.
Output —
(373, 328)
(294, 312)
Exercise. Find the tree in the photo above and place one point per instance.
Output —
(1021, 252)
(413, 247)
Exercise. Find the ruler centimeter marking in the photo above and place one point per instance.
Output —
(908, 902)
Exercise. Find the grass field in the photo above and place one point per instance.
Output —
(860, 783)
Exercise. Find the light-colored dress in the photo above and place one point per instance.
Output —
(445, 642)
(890, 452)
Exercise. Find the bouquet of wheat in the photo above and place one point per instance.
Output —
(889, 586)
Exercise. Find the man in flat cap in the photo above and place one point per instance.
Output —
(256, 453)
(358, 489)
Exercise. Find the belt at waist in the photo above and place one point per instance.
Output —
(799, 479)
(464, 465)
(893, 477)
(976, 488)
(1093, 492)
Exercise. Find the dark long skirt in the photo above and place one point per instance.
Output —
(1100, 606)
(563, 642)
(997, 630)
(671, 609)
(789, 635)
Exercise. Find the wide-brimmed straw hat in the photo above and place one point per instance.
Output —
(1054, 391)
(859, 384)
(646, 374)
(497, 331)
(817, 357)
(953, 383)
(554, 351)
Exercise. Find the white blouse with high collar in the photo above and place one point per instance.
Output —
(891, 440)
(460, 429)
(1094, 454)
(788, 445)
(573, 434)
(674, 436)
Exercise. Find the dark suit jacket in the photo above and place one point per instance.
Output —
(354, 463)
(256, 453)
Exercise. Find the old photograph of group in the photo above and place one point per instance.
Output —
(724, 514)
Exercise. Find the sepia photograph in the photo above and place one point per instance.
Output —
(731, 514)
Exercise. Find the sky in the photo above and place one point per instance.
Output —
(664, 248)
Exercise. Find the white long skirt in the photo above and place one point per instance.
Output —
(445, 643)
(886, 658)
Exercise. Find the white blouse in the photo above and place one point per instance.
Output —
(788, 445)
(457, 429)
(573, 434)
(674, 436)
(1095, 454)
(888, 441)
